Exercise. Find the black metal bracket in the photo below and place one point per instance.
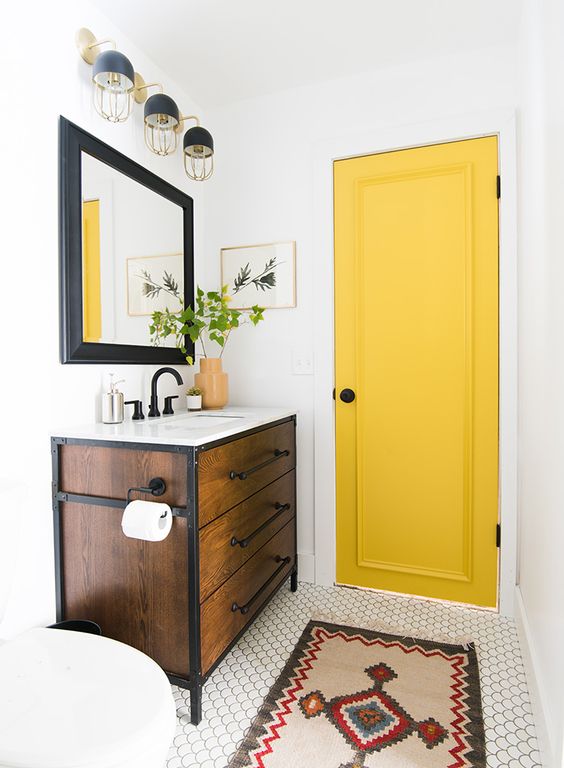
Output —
(244, 475)
(245, 608)
(247, 540)
(156, 487)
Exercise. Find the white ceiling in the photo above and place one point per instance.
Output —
(225, 50)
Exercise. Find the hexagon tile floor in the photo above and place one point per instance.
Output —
(236, 689)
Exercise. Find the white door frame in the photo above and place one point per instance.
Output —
(502, 124)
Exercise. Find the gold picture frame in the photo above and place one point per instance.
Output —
(263, 274)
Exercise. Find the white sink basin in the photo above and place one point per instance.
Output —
(199, 421)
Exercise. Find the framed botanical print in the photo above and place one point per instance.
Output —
(260, 274)
(155, 283)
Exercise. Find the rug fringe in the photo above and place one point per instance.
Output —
(390, 629)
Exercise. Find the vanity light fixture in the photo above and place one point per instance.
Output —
(116, 84)
(198, 152)
(162, 123)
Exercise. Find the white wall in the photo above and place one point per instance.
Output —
(263, 191)
(45, 77)
(541, 355)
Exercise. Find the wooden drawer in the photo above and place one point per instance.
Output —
(234, 471)
(250, 586)
(136, 590)
(230, 540)
(100, 471)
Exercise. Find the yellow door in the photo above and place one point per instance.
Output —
(416, 313)
(91, 278)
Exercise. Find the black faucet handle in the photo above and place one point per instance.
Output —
(168, 405)
(137, 409)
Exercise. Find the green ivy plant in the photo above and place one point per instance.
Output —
(211, 317)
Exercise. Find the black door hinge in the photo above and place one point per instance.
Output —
(498, 187)
(498, 536)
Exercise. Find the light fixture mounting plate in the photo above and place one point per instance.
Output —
(84, 40)
(139, 93)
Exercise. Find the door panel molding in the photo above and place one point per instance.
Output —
(464, 574)
(386, 565)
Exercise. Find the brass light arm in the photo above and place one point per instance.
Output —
(87, 44)
(179, 128)
(107, 41)
(140, 90)
(150, 85)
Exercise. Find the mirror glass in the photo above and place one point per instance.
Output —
(132, 255)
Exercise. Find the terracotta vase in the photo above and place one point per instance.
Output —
(213, 382)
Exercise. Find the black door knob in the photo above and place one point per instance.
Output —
(347, 395)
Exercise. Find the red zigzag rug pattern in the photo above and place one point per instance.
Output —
(354, 698)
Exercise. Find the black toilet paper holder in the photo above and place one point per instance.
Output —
(156, 487)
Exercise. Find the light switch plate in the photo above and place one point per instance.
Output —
(302, 362)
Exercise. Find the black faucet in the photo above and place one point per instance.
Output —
(154, 407)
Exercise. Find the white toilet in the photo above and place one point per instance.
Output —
(76, 700)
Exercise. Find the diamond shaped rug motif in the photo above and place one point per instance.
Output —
(354, 698)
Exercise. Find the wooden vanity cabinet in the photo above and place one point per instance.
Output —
(186, 600)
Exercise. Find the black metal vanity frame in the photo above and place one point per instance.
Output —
(195, 680)
(72, 142)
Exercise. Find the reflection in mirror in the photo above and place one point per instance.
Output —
(132, 255)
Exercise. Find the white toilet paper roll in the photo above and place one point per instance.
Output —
(147, 520)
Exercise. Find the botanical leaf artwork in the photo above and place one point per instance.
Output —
(264, 281)
(151, 288)
(262, 274)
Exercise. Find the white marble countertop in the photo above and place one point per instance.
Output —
(183, 428)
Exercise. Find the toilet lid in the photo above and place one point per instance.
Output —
(74, 699)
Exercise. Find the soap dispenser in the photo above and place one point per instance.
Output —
(112, 403)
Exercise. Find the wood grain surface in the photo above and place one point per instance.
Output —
(101, 471)
(217, 492)
(219, 559)
(219, 623)
(136, 590)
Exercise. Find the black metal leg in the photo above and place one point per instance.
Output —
(294, 581)
(196, 704)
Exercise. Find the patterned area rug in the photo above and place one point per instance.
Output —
(353, 698)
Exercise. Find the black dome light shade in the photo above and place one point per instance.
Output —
(198, 142)
(198, 153)
(162, 118)
(114, 81)
(161, 106)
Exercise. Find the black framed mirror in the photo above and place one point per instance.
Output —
(126, 250)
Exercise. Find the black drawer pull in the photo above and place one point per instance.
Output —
(245, 608)
(244, 475)
(247, 540)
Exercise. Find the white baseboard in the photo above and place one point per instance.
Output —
(306, 567)
(538, 697)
